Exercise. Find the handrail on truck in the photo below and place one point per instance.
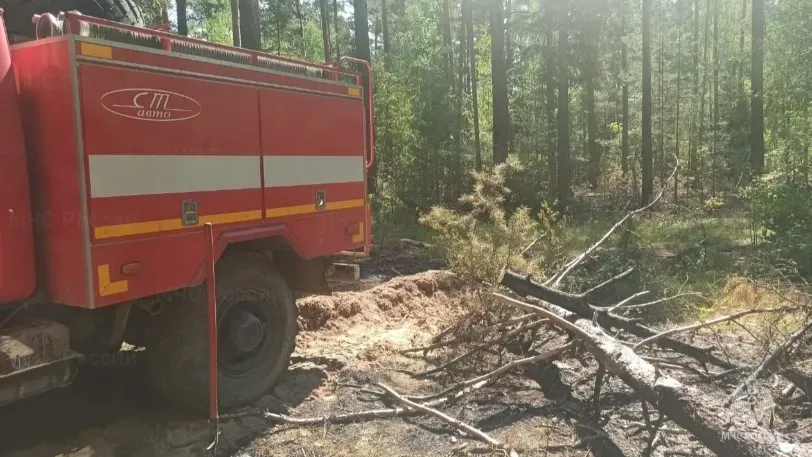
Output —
(73, 25)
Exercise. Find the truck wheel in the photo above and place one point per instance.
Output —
(256, 316)
(18, 13)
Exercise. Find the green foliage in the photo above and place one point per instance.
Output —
(782, 207)
(486, 238)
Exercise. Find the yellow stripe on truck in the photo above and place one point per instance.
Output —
(142, 228)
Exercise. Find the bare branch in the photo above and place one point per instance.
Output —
(580, 258)
(663, 300)
(524, 286)
(589, 293)
(469, 336)
(627, 301)
(459, 425)
(502, 339)
(488, 377)
(769, 361)
(709, 323)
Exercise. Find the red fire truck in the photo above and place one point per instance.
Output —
(121, 148)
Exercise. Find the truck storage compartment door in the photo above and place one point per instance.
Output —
(166, 153)
(16, 233)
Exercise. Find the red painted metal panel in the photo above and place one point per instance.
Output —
(204, 117)
(172, 262)
(309, 124)
(44, 77)
(281, 197)
(17, 279)
(105, 212)
(130, 114)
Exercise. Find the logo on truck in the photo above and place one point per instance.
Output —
(151, 105)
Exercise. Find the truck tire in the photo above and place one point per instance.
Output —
(256, 316)
(18, 13)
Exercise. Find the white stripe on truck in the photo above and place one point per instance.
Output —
(128, 175)
(281, 171)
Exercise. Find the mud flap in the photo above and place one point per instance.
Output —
(309, 277)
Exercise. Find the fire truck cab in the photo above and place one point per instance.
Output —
(117, 145)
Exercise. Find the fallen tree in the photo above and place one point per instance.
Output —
(683, 404)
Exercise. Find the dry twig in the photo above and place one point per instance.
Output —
(555, 281)
(459, 425)
(709, 323)
(769, 361)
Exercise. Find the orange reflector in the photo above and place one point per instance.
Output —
(131, 268)
(354, 91)
(96, 50)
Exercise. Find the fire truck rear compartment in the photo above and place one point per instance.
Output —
(131, 151)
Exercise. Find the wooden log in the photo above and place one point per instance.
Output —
(714, 426)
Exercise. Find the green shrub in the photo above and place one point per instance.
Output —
(781, 208)
(485, 238)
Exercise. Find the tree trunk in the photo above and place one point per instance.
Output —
(385, 31)
(564, 172)
(235, 22)
(757, 94)
(300, 16)
(164, 14)
(449, 50)
(715, 117)
(325, 29)
(699, 159)
(646, 156)
(183, 28)
(740, 68)
(662, 105)
(250, 34)
(590, 73)
(361, 22)
(624, 64)
(593, 149)
(549, 68)
(501, 119)
(693, 140)
(467, 8)
(337, 44)
(679, 93)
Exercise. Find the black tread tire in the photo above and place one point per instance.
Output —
(177, 354)
(18, 13)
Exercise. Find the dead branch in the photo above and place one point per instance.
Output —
(684, 405)
(546, 357)
(769, 361)
(662, 300)
(556, 279)
(798, 379)
(600, 287)
(459, 425)
(524, 287)
(344, 418)
(526, 251)
(627, 301)
(502, 339)
(709, 323)
(467, 336)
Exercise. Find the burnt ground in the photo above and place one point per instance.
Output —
(352, 340)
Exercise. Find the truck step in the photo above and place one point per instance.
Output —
(35, 357)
